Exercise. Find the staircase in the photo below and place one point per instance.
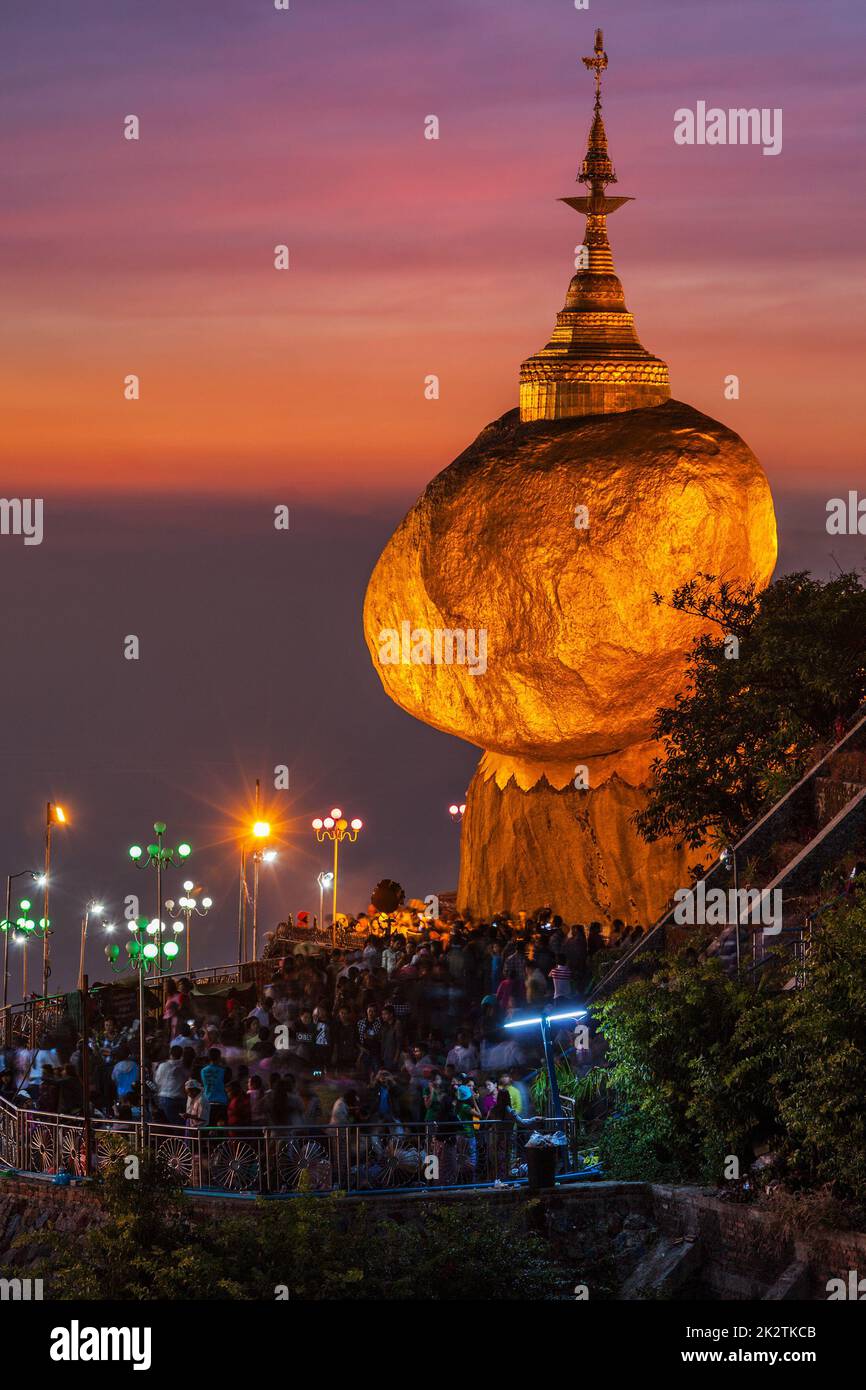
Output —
(788, 848)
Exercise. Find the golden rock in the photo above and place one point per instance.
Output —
(578, 654)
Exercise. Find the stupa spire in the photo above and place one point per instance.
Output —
(594, 363)
(597, 168)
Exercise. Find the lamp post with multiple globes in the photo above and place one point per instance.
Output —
(160, 945)
(187, 906)
(159, 856)
(24, 928)
(20, 929)
(143, 951)
(145, 947)
(337, 828)
(457, 812)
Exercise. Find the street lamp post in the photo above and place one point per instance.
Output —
(335, 827)
(242, 905)
(97, 909)
(189, 905)
(159, 856)
(260, 832)
(143, 954)
(324, 880)
(457, 812)
(8, 926)
(545, 1019)
(85, 1074)
(24, 928)
(262, 854)
(54, 815)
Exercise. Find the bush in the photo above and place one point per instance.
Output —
(744, 731)
(634, 1148)
(681, 1052)
(153, 1244)
(705, 1067)
(821, 1079)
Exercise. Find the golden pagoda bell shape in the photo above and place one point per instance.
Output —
(595, 363)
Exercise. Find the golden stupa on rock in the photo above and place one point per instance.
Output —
(550, 535)
(594, 363)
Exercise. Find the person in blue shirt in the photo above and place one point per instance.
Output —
(125, 1074)
(213, 1080)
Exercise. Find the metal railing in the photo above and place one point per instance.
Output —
(855, 732)
(27, 1020)
(282, 1160)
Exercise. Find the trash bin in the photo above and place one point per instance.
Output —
(540, 1165)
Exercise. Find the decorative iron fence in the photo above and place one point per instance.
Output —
(353, 1158)
(27, 1021)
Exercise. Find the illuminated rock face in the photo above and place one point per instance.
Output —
(573, 850)
(514, 606)
(578, 655)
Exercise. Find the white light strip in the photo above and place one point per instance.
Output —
(551, 1018)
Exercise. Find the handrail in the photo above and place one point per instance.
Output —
(856, 725)
(161, 1126)
(285, 1159)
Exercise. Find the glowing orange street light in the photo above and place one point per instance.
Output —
(337, 828)
(259, 833)
(54, 815)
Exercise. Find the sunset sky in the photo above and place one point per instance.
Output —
(409, 257)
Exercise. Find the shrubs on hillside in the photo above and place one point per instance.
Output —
(151, 1242)
(707, 1068)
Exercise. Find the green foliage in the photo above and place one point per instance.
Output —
(821, 1078)
(684, 1063)
(744, 730)
(707, 1067)
(154, 1244)
(731, 1105)
(139, 1251)
(635, 1147)
(583, 1090)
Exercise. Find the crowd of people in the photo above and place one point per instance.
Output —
(404, 1027)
